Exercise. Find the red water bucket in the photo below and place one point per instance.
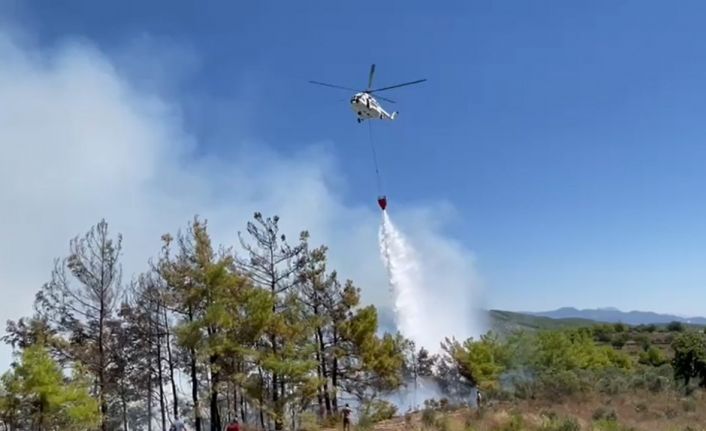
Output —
(382, 201)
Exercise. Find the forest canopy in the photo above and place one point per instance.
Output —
(276, 338)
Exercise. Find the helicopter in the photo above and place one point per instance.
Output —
(365, 106)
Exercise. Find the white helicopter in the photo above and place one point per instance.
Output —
(364, 104)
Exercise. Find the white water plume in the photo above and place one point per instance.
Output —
(433, 291)
(405, 280)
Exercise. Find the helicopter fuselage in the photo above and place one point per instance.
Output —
(367, 108)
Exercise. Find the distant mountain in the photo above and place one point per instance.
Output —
(505, 322)
(500, 321)
(613, 315)
(508, 321)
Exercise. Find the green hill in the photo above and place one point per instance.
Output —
(508, 321)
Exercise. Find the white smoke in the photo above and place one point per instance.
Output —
(84, 136)
(429, 302)
(412, 395)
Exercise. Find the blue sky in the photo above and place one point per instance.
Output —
(568, 136)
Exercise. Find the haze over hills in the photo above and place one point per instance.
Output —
(503, 321)
(613, 315)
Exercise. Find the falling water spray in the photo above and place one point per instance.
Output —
(434, 295)
(406, 282)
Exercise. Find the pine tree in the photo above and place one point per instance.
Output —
(369, 365)
(270, 335)
(143, 354)
(36, 395)
(316, 295)
(274, 266)
(83, 312)
(182, 299)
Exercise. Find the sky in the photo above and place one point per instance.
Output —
(552, 158)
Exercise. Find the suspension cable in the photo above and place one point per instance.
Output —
(375, 160)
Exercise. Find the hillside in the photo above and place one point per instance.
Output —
(507, 321)
(503, 321)
(613, 315)
(642, 412)
(586, 375)
(500, 321)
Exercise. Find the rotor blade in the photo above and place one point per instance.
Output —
(385, 99)
(398, 85)
(332, 86)
(370, 78)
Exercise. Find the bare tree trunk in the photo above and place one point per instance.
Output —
(243, 414)
(171, 365)
(160, 378)
(235, 401)
(261, 396)
(194, 381)
(283, 396)
(195, 391)
(215, 376)
(319, 389)
(123, 403)
(334, 374)
(149, 398)
(243, 411)
(275, 387)
(101, 367)
(324, 373)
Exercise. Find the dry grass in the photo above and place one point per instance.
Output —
(639, 412)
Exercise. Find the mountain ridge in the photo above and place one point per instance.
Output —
(614, 315)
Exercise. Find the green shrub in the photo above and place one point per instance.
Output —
(408, 420)
(550, 415)
(613, 384)
(428, 417)
(364, 423)
(653, 356)
(308, 422)
(675, 327)
(657, 384)
(619, 340)
(604, 414)
(431, 404)
(330, 421)
(620, 327)
(379, 410)
(562, 384)
(563, 424)
(652, 379)
(644, 341)
(516, 424)
(689, 405)
(602, 334)
(638, 381)
(442, 423)
(610, 425)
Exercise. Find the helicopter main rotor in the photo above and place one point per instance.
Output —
(370, 84)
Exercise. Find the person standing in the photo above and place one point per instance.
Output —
(346, 412)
